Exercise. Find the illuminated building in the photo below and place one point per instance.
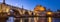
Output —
(41, 11)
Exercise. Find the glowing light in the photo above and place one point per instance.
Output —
(21, 20)
(7, 9)
(49, 13)
(49, 19)
(36, 19)
(29, 19)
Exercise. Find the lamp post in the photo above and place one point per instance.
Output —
(49, 14)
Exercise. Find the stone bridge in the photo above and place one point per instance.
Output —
(7, 11)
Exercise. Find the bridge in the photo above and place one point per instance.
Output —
(22, 15)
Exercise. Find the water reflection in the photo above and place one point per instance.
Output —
(10, 19)
(56, 19)
(33, 19)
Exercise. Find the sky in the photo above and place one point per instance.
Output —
(31, 4)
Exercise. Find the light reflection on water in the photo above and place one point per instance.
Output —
(11, 19)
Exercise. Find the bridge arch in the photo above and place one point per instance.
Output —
(26, 13)
(15, 12)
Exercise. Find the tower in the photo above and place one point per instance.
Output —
(22, 7)
(3, 1)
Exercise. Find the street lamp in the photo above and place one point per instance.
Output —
(49, 14)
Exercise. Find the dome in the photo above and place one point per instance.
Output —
(39, 8)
